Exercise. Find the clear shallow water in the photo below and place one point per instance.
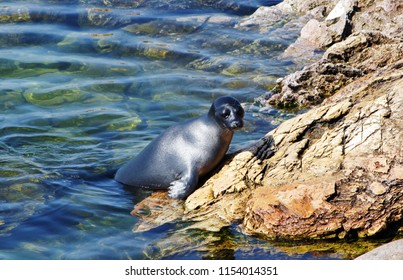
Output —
(85, 86)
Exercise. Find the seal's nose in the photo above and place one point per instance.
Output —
(236, 124)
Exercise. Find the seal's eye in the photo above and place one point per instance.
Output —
(240, 113)
(226, 114)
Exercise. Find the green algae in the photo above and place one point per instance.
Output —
(102, 98)
(108, 90)
(237, 83)
(157, 52)
(7, 66)
(23, 191)
(14, 15)
(162, 28)
(9, 99)
(54, 98)
(230, 244)
(76, 39)
(34, 248)
(11, 173)
(125, 124)
(30, 72)
(98, 118)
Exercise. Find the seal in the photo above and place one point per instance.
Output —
(179, 156)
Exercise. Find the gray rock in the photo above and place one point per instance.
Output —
(389, 251)
(265, 18)
(342, 9)
(320, 34)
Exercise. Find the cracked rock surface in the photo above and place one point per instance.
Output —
(358, 36)
(338, 169)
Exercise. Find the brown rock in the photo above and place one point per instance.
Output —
(156, 210)
(342, 63)
(384, 16)
(332, 173)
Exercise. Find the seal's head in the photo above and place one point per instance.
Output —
(228, 113)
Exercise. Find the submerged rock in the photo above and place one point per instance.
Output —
(165, 27)
(13, 15)
(54, 97)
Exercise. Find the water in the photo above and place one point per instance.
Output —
(85, 85)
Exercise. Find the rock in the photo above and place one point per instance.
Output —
(342, 9)
(265, 18)
(347, 17)
(342, 63)
(302, 7)
(318, 35)
(311, 18)
(390, 251)
(312, 84)
(156, 210)
(331, 176)
(388, 19)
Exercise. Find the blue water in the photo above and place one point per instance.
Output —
(85, 85)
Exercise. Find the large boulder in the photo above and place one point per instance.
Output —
(338, 170)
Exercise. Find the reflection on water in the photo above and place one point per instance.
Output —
(85, 85)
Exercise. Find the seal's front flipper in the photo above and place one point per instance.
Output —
(183, 187)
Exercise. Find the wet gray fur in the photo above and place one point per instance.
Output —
(179, 156)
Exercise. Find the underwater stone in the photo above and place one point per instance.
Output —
(95, 16)
(157, 53)
(12, 15)
(162, 28)
(210, 64)
(237, 83)
(102, 98)
(124, 124)
(111, 87)
(238, 68)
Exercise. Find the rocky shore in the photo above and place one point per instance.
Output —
(334, 172)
